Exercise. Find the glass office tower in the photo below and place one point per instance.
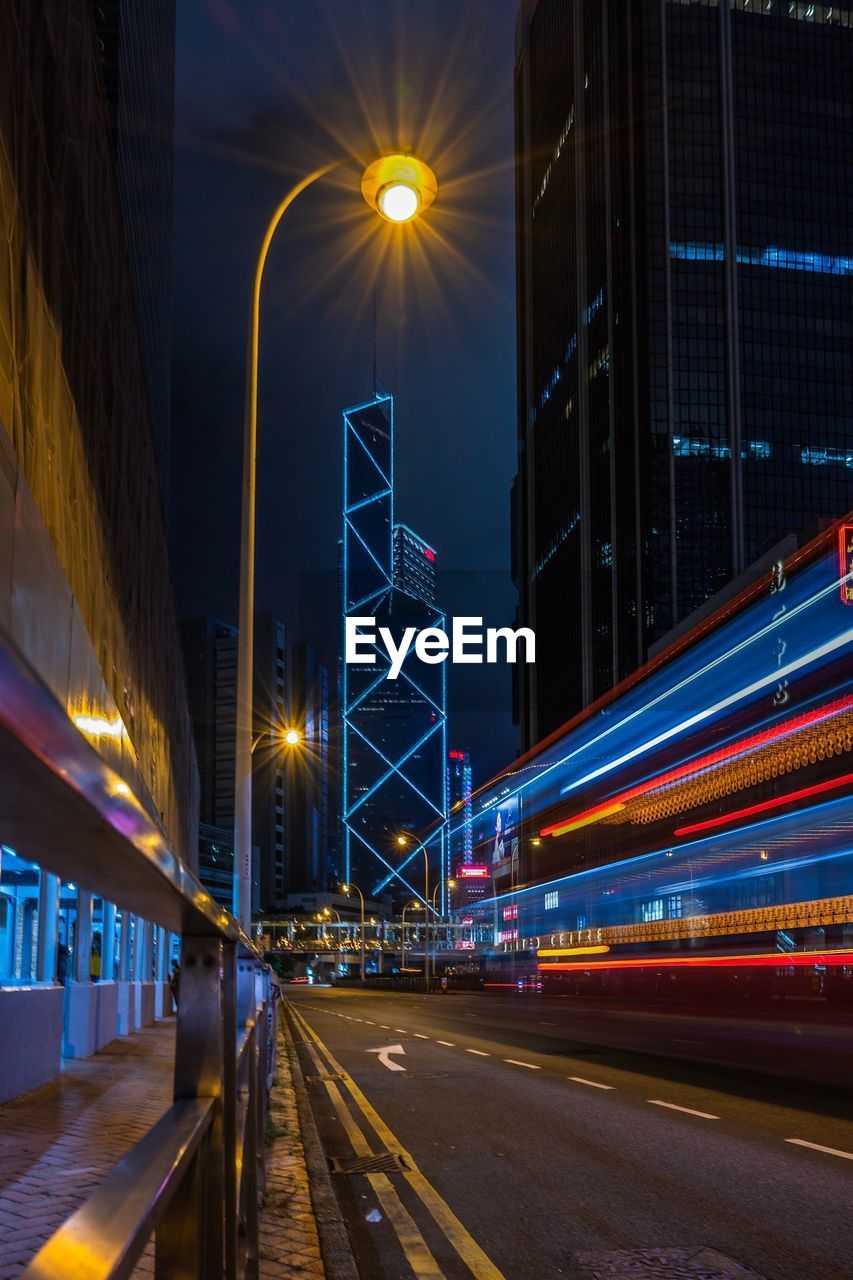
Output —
(685, 290)
(394, 732)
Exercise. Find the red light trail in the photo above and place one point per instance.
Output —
(707, 761)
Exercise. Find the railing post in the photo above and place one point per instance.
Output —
(229, 1103)
(248, 1191)
(190, 1235)
(262, 1068)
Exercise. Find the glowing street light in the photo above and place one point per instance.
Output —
(347, 889)
(399, 188)
(292, 737)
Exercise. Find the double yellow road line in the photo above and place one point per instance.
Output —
(412, 1242)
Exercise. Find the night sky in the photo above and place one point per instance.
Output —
(266, 91)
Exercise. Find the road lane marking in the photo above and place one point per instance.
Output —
(416, 1249)
(479, 1263)
(384, 1026)
(689, 1111)
(448, 1044)
(593, 1084)
(370, 1022)
(815, 1146)
(531, 1066)
(401, 1031)
(479, 1053)
(385, 1058)
(418, 1035)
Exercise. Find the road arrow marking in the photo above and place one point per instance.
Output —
(384, 1058)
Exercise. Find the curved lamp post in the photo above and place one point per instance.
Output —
(398, 187)
(347, 889)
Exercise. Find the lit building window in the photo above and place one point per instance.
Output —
(552, 899)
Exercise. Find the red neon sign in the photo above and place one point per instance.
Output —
(456, 755)
(473, 873)
(845, 562)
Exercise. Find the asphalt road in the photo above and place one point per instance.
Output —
(528, 1151)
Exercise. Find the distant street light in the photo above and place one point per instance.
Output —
(410, 906)
(398, 187)
(449, 884)
(347, 888)
(402, 840)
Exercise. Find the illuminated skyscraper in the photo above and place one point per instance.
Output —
(458, 805)
(414, 565)
(685, 304)
(393, 731)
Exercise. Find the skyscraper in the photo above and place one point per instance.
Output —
(210, 659)
(309, 776)
(685, 303)
(414, 565)
(461, 843)
(136, 48)
(393, 776)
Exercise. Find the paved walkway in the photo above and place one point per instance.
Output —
(58, 1142)
(289, 1244)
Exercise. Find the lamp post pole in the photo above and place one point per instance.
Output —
(346, 889)
(245, 638)
(398, 188)
(451, 884)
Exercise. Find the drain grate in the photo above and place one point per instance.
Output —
(385, 1162)
(698, 1263)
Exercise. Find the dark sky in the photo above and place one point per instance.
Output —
(266, 91)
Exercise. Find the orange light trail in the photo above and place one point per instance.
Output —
(760, 960)
(696, 766)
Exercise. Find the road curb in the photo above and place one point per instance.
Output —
(338, 1258)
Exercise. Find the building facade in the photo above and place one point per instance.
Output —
(135, 44)
(393, 732)
(685, 313)
(310, 790)
(414, 565)
(210, 660)
(85, 595)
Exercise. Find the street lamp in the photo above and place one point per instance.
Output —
(402, 841)
(346, 888)
(410, 906)
(398, 187)
(450, 884)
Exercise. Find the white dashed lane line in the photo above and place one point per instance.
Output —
(418, 1036)
(673, 1106)
(815, 1146)
(592, 1084)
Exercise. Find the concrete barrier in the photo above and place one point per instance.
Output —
(32, 1055)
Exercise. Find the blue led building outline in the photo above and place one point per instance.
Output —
(394, 733)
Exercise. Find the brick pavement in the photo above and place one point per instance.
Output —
(57, 1143)
(289, 1243)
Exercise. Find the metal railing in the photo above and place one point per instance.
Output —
(194, 1181)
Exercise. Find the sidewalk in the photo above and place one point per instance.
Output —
(58, 1142)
